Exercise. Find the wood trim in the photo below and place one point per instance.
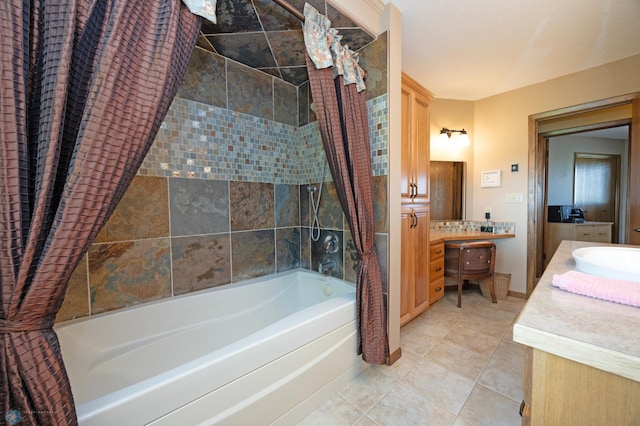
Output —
(415, 86)
(394, 356)
(598, 126)
(589, 106)
(517, 294)
(532, 206)
(537, 168)
(633, 195)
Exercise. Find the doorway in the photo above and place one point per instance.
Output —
(608, 113)
(596, 188)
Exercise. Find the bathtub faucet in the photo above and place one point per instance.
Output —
(326, 266)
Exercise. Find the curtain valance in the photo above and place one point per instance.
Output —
(204, 8)
(325, 49)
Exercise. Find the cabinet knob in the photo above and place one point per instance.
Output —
(637, 230)
(439, 268)
(440, 251)
(438, 289)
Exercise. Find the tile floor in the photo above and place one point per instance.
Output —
(459, 367)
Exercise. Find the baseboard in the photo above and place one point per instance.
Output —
(393, 357)
(517, 294)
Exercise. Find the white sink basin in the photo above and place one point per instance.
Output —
(622, 263)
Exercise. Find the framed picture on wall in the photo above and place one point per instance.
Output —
(490, 179)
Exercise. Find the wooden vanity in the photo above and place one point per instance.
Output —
(582, 355)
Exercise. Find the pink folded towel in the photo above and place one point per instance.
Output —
(620, 291)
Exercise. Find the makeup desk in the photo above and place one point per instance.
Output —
(437, 239)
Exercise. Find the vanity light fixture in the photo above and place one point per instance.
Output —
(462, 139)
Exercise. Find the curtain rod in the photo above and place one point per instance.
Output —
(292, 10)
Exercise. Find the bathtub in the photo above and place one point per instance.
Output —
(254, 352)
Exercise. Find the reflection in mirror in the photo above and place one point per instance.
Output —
(447, 190)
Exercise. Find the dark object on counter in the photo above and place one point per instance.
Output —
(567, 214)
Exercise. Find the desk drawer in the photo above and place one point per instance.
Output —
(436, 290)
(436, 269)
(437, 251)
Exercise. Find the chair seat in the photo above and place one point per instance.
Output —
(470, 261)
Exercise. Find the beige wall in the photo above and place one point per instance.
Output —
(500, 138)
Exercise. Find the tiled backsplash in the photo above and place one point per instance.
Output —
(472, 226)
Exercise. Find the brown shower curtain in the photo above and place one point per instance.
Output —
(343, 123)
(85, 87)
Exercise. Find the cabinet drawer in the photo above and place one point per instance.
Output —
(437, 251)
(436, 290)
(593, 233)
(436, 269)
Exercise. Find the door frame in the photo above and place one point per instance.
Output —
(538, 168)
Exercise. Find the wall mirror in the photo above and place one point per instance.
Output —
(447, 190)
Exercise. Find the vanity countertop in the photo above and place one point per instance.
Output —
(604, 335)
(443, 236)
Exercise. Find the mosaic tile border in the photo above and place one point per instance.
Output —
(471, 226)
(200, 141)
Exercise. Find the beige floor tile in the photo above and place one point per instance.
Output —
(402, 406)
(365, 421)
(485, 326)
(438, 384)
(504, 372)
(367, 389)
(473, 339)
(417, 341)
(460, 422)
(459, 359)
(488, 408)
(335, 411)
(401, 367)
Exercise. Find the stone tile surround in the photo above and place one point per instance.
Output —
(221, 195)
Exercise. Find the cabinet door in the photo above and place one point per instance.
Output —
(420, 153)
(406, 182)
(414, 181)
(422, 265)
(556, 233)
(414, 281)
(406, 265)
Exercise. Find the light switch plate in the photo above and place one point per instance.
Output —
(514, 197)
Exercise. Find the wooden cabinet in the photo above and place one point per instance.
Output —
(415, 284)
(415, 266)
(436, 272)
(596, 232)
(415, 141)
(559, 391)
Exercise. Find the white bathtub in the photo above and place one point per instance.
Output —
(253, 352)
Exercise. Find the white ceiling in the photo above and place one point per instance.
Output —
(472, 49)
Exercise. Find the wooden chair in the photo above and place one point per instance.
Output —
(470, 261)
